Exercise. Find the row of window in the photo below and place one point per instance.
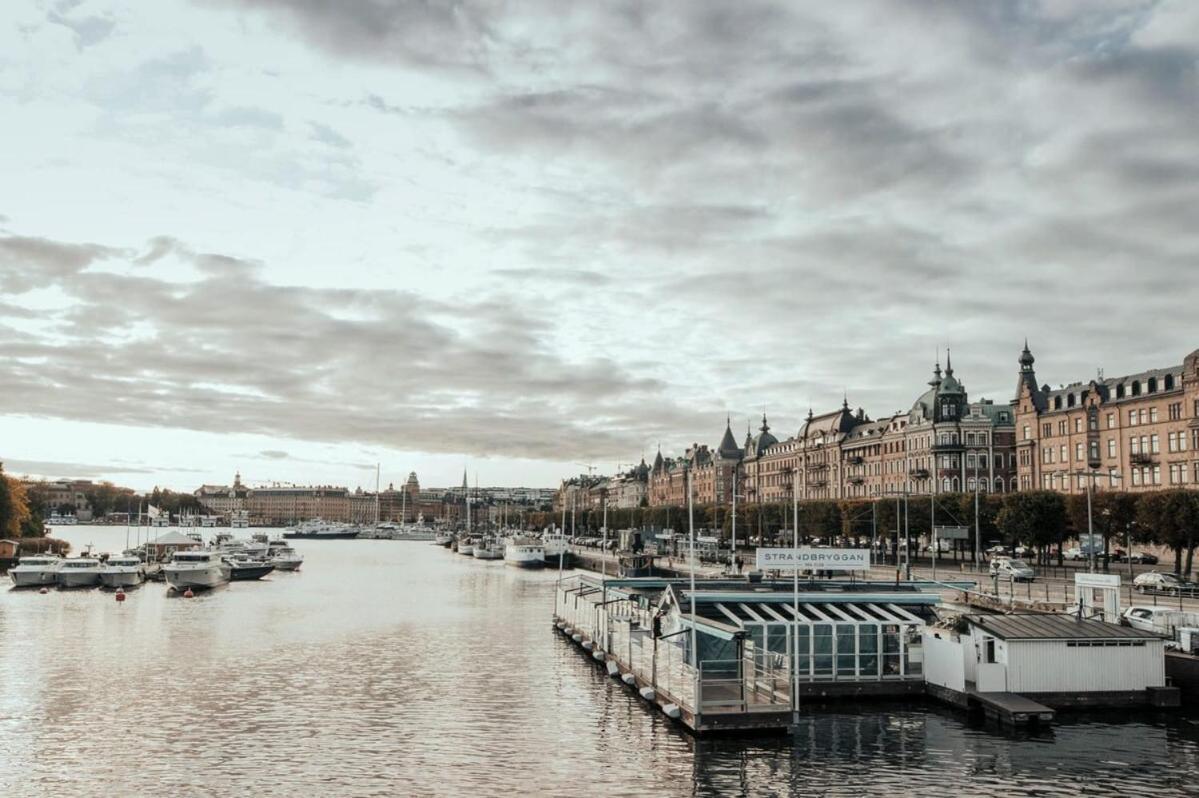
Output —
(1136, 417)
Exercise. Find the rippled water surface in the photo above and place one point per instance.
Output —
(397, 668)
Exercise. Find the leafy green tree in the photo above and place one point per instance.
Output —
(1171, 518)
(1034, 518)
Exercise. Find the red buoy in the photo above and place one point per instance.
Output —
(188, 593)
(43, 591)
(120, 594)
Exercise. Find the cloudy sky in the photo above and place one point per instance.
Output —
(299, 237)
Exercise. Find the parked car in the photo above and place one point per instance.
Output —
(1012, 568)
(1074, 553)
(1155, 580)
(1164, 621)
(996, 551)
(1140, 557)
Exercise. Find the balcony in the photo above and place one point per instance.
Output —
(854, 460)
(817, 466)
(918, 473)
(1141, 458)
(948, 447)
(818, 482)
(856, 480)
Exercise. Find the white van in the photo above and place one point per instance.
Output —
(1161, 620)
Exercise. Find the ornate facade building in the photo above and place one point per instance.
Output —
(712, 474)
(1138, 433)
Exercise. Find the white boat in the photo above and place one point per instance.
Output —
(466, 546)
(524, 552)
(255, 548)
(79, 572)
(489, 549)
(316, 529)
(35, 571)
(283, 556)
(123, 571)
(239, 519)
(443, 539)
(196, 569)
(62, 520)
(555, 545)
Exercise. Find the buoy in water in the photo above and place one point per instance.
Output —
(120, 594)
(43, 591)
(188, 593)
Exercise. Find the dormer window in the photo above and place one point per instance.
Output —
(1169, 382)
(1120, 391)
(1153, 385)
(1136, 387)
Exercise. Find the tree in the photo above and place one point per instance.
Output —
(1033, 518)
(1171, 517)
(14, 509)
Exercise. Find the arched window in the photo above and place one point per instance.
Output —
(955, 484)
(1153, 385)
(1136, 387)
(1057, 403)
(982, 461)
(1169, 382)
(1120, 391)
(945, 485)
(1070, 400)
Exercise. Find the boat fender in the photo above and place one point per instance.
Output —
(613, 668)
(120, 594)
(672, 711)
(578, 638)
(188, 593)
(648, 693)
(588, 645)
(597, 654)
(43, 591)
(629, 679)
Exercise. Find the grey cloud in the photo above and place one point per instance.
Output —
(64, 470)
(327, 135)
(88, 30)
(28, 262)
(242, 116)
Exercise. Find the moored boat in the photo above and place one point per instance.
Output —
(466, 546)
(443, 539)
(555, 546)
(489, 548)
(242, 568)
(35, 570)
(283, 556)
(122, 571)
(316, 529)
(196, 569)
(524, 552)
(79, 572)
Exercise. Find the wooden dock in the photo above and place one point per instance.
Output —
(1010, 709)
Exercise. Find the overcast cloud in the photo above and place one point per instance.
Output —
(550, 234)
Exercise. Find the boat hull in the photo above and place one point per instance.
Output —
(287, 565)
(246, 573)
(318, 536)
(488, 554)
(523, 563)
(196, 578)
(33, 578)
(78, 578)
(116, 579)
(466, 548)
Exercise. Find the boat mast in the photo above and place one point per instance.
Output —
(376, 494)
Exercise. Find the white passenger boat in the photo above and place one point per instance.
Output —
(123, 571)
(35, 571)
(466, 546)
(489, 548)
(555, 545)
(79, 572)
(196, 569)
(524, 552)
(443, 539)
(316, 529)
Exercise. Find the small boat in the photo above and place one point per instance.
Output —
(79, 572)
(243, 569)
(239, 519)
(466, 546)
(633, 564)
(196, 569)
(35, 571)
(443, 539)
(123, 571)
(283, 556)
(524, 552)
(489, 548)
(316, 529)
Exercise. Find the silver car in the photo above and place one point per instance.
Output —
(1012, 568)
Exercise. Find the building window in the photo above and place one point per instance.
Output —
(1136, 387)
(1132, 418)
(1065, 454)
(1111, 420)
(1157, 475)
(1078, 452)
(1134, 445)
(1141, 416)
(1153, 444)
(1026, 433)
(1175, 411)
(1153, 415)
(1077, 424)
(1061, 427)
(1111, 447)
(1120, 391)
(1136, 476)
(1169, 382)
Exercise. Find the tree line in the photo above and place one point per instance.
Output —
(1041, 520)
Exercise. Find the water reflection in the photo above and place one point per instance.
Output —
(396, 668)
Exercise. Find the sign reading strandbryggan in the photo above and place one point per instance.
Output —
(816, 559)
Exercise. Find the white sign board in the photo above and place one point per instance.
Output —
(815, 559)
(1097, 580)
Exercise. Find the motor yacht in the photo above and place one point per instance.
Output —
(466, 546)
(556, 545)
(79, 572)
(283, 556)
(524, 552)
(443, 539)
(35, 570)
(243, 569)
(123, 571)
(196, 569)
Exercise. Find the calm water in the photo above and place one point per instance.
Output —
(394, 668)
